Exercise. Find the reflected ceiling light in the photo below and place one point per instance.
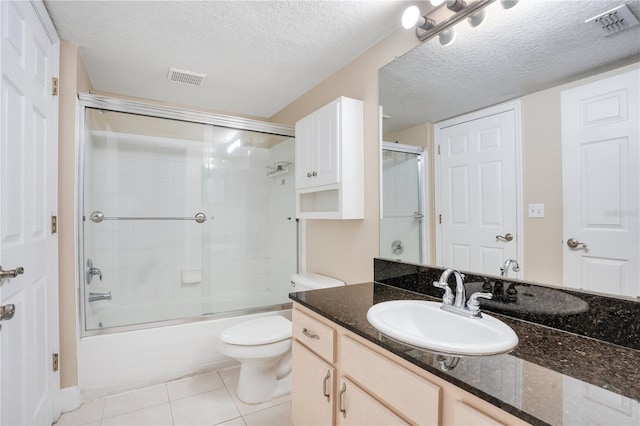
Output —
(447, 37)
(477, 18)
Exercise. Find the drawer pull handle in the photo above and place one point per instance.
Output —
(324, 386)
(310, 335)
(342, 391)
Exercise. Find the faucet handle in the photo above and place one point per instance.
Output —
(448, 297)
(473, 304)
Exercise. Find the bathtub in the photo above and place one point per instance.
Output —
(117, 362)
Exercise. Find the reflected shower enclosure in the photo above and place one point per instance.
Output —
(403, 234)
(182, 219)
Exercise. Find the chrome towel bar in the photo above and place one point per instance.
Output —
(97, 217)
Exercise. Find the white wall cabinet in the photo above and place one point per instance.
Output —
(338, 378)
(330, 162)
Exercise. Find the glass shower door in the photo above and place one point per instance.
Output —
(402, 219)
(182, 219)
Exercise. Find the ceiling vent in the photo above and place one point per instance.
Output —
(185, 77)
(613, 21)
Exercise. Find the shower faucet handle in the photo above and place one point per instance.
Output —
(91, 271)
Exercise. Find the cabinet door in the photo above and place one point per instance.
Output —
(326, 135)
(357, 407)
(312, 388)
(305, 152)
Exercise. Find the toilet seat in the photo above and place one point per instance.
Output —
(260, 331)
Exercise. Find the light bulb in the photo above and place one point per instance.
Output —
(477, 18)
(447, 37)
(436, 3)
(410, 17)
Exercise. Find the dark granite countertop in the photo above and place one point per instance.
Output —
(552, 377)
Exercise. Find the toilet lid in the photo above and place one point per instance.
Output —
(258, 332)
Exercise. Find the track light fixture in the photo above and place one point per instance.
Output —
(427, 28)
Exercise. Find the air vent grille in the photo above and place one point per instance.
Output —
(185, 77)
(613, 21)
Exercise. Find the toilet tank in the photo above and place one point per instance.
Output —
(313, 281)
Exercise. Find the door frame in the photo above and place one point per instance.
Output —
(423, 199)
(516, 107)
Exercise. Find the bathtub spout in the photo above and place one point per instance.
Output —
(94, 297)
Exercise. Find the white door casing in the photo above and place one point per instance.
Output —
(601, 185)
(29, 52)
(479, 190)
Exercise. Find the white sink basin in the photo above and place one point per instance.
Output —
(424, 324)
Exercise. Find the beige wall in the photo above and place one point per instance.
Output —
(344, 249)
(73, 79)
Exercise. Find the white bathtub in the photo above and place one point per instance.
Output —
(117, 362)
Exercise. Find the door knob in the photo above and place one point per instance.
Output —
(418, 215)
(506, 237)
(573, 243)
(11, 273)
(7, 312)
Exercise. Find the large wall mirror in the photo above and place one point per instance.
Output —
(532, 55)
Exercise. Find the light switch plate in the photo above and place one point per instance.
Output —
(536, 210)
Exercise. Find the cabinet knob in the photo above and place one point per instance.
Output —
(309, 174)
(314, 174)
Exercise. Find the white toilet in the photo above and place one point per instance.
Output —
(263, 347)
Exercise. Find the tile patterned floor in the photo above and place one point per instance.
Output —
(208, 399)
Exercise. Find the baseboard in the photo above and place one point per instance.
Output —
(68, 399)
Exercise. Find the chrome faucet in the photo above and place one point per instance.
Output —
(504, 270)
(94, 297)
(458, 306)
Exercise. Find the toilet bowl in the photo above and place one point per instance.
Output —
(263, 348)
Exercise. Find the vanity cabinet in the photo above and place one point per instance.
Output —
(339, 378)
(330, 162)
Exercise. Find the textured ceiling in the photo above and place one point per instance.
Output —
(534, 46)
(259, 56)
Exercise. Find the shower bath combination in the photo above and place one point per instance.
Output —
(181, 215)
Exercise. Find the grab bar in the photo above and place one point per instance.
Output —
(98, 217)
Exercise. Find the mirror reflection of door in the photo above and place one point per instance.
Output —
(478, 187)
(403, 222)
(601, 185)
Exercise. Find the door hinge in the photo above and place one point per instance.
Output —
(54, 224)
(54, 360)
(440, 219)
(54, 86)
(438, 149)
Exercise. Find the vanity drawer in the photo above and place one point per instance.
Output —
(416, 398)
(466, 415)
(314, 335)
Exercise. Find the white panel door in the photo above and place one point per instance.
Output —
(601, 185)
(28, 199)
(326, 128)
(477, 192)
